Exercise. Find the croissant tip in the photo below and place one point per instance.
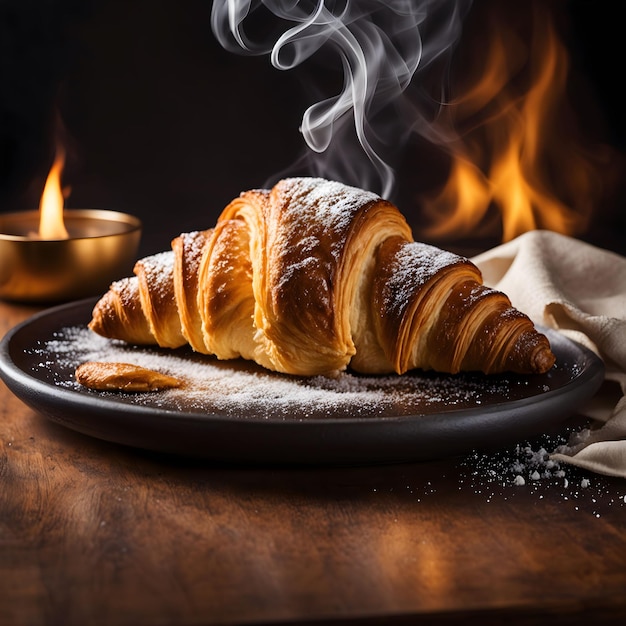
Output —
(543, 360)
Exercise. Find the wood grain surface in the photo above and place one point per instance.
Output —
(94, 533)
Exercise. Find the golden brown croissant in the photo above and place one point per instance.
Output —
(314, 276)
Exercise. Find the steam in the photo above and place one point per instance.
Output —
(378, 45)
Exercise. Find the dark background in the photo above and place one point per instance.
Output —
(161, 122)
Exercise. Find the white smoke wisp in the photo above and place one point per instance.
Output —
(380, 47)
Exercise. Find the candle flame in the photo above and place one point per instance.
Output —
(51, 224)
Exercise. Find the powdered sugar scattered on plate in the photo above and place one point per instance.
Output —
(237, 387)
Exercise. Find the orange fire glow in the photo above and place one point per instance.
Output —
(51, 223)
(510, 156)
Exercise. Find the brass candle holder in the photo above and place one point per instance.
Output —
(101, 246)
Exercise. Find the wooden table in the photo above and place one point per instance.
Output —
(94, 533)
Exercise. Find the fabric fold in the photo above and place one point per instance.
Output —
(579, 290)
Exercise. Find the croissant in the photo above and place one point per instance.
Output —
(312, 277)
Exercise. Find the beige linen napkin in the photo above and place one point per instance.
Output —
(580, 290)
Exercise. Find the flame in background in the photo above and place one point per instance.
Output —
(515, 160)
(381, 44)
(51, 224)
(516, 156)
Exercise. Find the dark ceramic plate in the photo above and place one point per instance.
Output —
(235, 411)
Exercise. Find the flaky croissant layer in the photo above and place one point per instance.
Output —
(313, 276)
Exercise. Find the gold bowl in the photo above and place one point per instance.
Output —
(102, 247)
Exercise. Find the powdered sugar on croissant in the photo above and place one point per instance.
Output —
(313, 276)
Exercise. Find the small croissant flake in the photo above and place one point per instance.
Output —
(105, 376)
